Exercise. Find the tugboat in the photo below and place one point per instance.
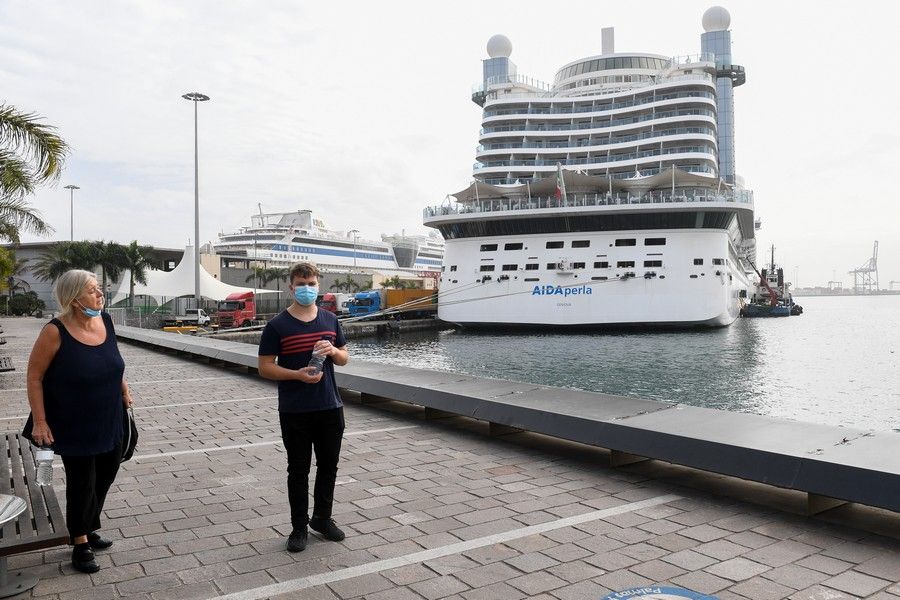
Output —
(772, 297)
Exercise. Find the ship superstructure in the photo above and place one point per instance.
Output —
(282, 239)
(606, 198)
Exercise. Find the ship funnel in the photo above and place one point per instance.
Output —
(608, 40)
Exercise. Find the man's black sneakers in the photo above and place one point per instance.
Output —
(83, 559)
(297, 540)
(98, 543)
(327, 528)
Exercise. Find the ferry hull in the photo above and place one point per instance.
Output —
(678, 294)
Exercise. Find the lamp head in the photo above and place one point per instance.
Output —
(195, 96)
(72, 187)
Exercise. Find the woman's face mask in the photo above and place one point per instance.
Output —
(94, 292)
(306, 294)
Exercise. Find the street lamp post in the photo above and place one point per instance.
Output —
(72, 189)
(196, 97)
(355, 233)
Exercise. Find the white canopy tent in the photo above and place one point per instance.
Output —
(180, 282)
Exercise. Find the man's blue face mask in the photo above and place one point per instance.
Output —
(306, 294)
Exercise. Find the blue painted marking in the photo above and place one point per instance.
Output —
(654, 592)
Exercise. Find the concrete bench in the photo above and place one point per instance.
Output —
(830, 464)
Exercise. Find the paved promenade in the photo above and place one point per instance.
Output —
(432, 509)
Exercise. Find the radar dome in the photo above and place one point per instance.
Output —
(716, 19)
(499, 46)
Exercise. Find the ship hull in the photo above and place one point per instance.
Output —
(673, 292)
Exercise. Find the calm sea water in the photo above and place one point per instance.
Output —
(837, 364)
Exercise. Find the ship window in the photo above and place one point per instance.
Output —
(510, 267)
(487, 268)
(551, 265)
(599, 278)
(652, 263)
(531, 267)
(578, 265)
(517, 246)
(718, 261)
(532, 279)
(655, 242)
(624, 264)
(442, 269)
(488, 247)
(626, 242)
(693, 277)
(554, 244)
(452, 267)
(698, 261)
(601, 265)
(581, 243)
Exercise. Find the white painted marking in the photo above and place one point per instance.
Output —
(302, 583)
(256, 444)
(156, 406)
(142, 382)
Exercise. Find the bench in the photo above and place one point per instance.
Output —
(6, 364)
(41, 525)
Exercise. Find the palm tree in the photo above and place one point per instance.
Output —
(347, 284)
(394, 282)
(65, 256)
(14, 280)
(137, 260)
(31, 153)
(111, 260)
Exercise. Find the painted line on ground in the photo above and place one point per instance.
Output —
(256, 444)
(142, 382)
(175, 405)
(301, 583)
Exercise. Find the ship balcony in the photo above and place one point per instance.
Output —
(586, 145)
(523, 207)
(613, 125)
(666, 100)
(597, 163)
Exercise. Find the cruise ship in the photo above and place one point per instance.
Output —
(608, 198)
(282, 239)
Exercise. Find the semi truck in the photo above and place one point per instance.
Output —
(407, 304)
(237, 310)
(336, 303)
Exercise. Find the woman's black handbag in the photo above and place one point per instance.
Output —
(129, 434)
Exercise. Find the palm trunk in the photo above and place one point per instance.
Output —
(131, 290)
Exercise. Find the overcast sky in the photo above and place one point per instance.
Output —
(360, 111)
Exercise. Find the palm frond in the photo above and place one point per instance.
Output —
(37, 142)
(17, 212)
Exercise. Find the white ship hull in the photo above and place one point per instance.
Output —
(677, 294)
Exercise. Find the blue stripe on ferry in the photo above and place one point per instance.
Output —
(423, 261)
(327, 252)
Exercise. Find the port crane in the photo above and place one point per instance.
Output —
(865, 277)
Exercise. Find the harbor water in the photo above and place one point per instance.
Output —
(837, 364)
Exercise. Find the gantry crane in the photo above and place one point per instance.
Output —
(865, 278)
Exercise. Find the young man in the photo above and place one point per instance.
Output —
(309, 406)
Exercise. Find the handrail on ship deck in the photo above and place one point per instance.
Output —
(588, 200)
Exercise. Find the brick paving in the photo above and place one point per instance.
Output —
(190, 524)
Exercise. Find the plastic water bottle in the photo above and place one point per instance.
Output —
(44, 459)
(317, 361)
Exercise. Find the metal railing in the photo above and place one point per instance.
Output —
(598, 142)
(593, 126)
(595, 160)
(600, 109)
(681, 195)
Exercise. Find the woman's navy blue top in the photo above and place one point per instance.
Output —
(83, 394)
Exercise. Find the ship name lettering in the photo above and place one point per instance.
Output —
(558, 290)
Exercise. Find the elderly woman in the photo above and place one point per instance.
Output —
(77, 392)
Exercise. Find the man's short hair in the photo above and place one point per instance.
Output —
(304, 269)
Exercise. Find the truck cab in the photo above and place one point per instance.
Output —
(329, 303)
(237, 310)
(365, 303)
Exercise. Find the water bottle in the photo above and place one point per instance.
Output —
(43, 457)
(317, 361)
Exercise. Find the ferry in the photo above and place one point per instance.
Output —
(608, 198)
(282, 239)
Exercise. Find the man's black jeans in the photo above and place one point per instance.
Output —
(322, 432)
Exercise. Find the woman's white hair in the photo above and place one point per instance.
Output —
(69, 286)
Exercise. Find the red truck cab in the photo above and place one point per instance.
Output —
(237, 310)
(329, 303)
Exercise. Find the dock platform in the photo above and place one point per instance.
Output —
(434, 506)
